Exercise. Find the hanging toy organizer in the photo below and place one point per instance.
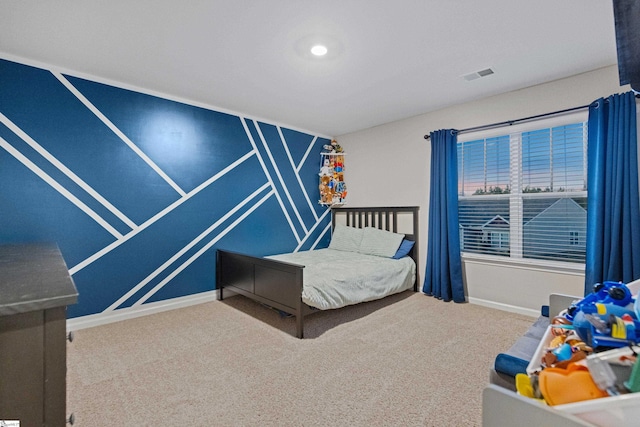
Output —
(333, 189)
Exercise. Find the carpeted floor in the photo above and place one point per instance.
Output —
(407, 360)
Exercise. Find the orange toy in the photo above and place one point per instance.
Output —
(574, 384)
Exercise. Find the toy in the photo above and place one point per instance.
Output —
(338, 166)
(527, 386)
(332, 188)
(326, 195)
(333, 147)
(615, 293)
(613, 331)
(569, 385)
(565, 349)
(607, 317)
(633, 383)
(602, 375)
(560, 326)
(325, 170)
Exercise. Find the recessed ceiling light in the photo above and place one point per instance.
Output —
(319, 50)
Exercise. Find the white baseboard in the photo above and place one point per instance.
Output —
(138, 311)
(156, 307)
(505, 307)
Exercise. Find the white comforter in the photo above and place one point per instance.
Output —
(334, 279)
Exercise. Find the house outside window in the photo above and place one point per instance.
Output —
(522, 190)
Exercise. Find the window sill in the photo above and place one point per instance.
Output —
(571, 268)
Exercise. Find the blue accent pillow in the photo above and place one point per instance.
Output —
(404, 249)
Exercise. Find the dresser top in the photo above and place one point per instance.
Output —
(33, 277)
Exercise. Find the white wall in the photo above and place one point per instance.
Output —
(389, 165)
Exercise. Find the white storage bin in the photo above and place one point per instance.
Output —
(616, 411)
(634, 287)
(536, 361)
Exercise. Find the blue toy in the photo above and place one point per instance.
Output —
(614, 332)
(608, 293)
(563, 352)
(607, 317)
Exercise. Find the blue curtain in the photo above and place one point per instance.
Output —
(613, 215)
(443, 278)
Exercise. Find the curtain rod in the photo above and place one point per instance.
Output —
(525, 119)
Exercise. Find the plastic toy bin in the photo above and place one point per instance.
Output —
(615, 411)
(536, 361)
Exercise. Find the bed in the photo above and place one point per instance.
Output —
(356, 267)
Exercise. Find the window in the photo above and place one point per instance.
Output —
(574, 238)
(500, 240)
(522, 193)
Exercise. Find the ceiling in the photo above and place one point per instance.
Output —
(387, 60)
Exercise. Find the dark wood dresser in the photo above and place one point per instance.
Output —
(35, 289)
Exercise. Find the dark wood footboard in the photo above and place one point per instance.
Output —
(275, 283)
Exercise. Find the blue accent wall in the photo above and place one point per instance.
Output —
(139, 191)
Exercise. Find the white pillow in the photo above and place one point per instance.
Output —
(380, 242)
(346, 238)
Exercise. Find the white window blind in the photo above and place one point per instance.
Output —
(524, 194)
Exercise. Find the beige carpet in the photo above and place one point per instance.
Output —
(408, 360)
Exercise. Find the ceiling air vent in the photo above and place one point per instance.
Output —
(478, 74)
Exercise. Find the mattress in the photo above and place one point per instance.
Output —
(334, 278)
